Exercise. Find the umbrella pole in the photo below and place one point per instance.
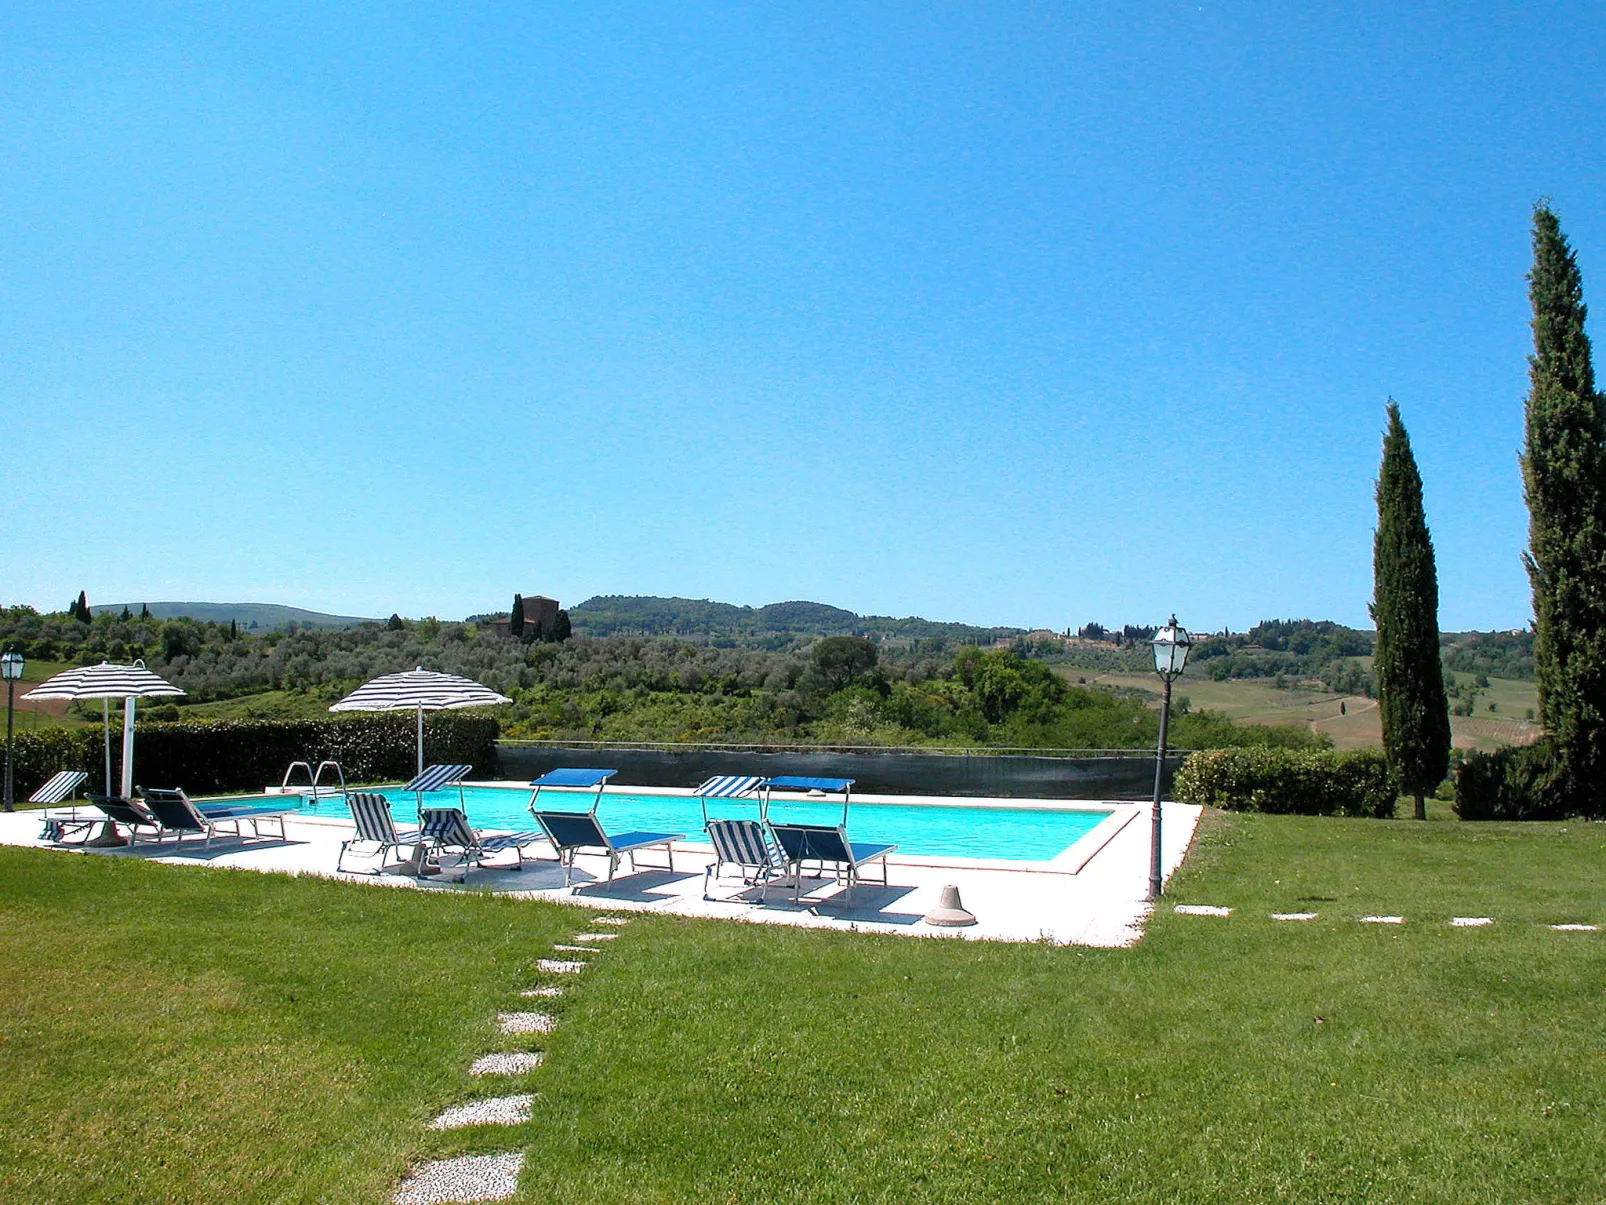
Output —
(106, 718)
(420, 740)
(128, 747)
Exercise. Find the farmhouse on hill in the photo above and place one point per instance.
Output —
(540, 618)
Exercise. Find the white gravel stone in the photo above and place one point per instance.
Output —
(471, 1178)
(557, 966)
(513, 1062)
(494, 1111)
(610, 920)
(595, 936)
(1576, 928)
(547, 993)
(1470, 922)
(1382, 920)
(1202, 910)
(526, 1022)
(1293, 916)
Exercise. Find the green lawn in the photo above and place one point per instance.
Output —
(192, 1035)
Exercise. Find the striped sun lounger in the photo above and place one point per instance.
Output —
(748, 845)
(444, 829)
(58, 787)
(371, 813)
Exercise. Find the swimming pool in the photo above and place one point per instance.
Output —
(919, 830)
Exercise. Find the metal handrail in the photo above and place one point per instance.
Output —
(307, 766)
(318, 777)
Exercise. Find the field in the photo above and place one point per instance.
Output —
(191, 1035)
(1256, 701)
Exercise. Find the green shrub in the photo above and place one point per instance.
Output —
(212, 756)
(1515, 783)
(1307, 782)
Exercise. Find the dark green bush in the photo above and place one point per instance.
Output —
(1516, 783)
(1307, 782)
(214, 756)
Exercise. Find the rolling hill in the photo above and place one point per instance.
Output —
(251, 616)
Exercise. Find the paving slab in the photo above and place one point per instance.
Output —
(470, 1178)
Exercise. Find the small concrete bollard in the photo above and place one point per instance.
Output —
(949, 912)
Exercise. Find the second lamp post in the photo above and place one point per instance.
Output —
(1171, 645)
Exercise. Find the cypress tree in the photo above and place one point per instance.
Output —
(515, 618)
(1405, 608)
(1562, 464)
(125, 616)
(144, 611)
(81, 608)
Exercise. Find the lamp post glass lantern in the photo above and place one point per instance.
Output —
(11, 666)
(1171, 644)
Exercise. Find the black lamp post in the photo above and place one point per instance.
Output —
(10, 669)
(1171, 645)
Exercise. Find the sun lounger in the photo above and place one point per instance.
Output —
(828, 845)
(748, 845)
(375, 826)
(571, 832)
(58, 827)
(449, 829)
(130, 813)
(179, 814)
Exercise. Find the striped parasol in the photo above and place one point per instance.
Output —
(419, 690)
(106, 681)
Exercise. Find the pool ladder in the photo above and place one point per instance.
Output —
(315, 779)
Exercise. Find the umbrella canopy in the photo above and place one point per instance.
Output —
(107, 681)
(419, 690)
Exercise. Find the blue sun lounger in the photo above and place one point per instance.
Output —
(179, 814)
(571, 832)
(824, 844)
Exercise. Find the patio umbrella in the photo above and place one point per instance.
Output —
(419, 690)
(104, 682)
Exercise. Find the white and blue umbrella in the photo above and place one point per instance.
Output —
(103, 682)
(419, 690)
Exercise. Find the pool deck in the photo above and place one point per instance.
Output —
(1092, 895)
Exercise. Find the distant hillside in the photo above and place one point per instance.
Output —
(250, 616)
(701, 619)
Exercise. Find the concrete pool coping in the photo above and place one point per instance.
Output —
(1101, 904)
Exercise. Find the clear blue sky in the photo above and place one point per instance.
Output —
(1008, 313)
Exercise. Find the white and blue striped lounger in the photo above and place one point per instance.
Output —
(746, 844)
(449, 829)
(55, 789)
(371, 813)
(438, 778)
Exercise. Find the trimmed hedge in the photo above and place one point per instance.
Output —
(208, 757)
(1316, 782)
(1516, 783)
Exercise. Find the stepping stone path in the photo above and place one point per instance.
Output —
(556, 966)
(1382, 920)
(526, 1022)
(511, 1063)
(1470, 922)
(496, 1177)
(1293, 916)
(1201, 910)
(495, 1111)
(472, 1178)
(1576, 928)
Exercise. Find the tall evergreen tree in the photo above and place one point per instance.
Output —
(125, 616)
(515, 618)
(1405, 608)
(144, 611)
(81, 610)
(1563, 461)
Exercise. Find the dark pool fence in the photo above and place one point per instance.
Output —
(876, 770)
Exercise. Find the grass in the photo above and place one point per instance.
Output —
(196, 1035)
(1256, 701)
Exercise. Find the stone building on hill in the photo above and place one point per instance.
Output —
(540, 618)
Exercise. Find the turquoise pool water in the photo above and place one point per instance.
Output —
(1011, 834)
